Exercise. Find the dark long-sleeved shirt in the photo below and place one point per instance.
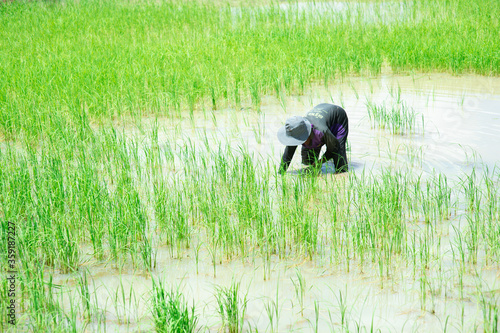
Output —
(330, 126)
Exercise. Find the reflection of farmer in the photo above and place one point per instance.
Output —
(324, 124)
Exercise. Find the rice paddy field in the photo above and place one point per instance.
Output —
(139, 159)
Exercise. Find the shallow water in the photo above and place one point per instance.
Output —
(460, 131)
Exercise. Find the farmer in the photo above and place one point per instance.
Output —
(324, 124)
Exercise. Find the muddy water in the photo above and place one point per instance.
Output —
(458, 128)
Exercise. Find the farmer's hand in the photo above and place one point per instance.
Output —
(310, 171)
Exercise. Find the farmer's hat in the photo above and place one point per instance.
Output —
(295, 132)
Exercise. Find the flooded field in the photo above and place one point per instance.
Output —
(430, 270)
(139, 155)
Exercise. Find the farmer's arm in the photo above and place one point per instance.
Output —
(286, 158)
(332, 147)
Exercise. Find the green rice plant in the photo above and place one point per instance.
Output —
(300, 225)
(472, 236)
(315, 325)
(156, 80)
(270, 310)
(72, 318)
(170, 311)
(4, 303)
(148, 254)
(265, 253)
(398, 118)
(432, 199)
(124, 303)
(212, 250)
(471, 190)
(91, 199)
(356, 94)
(395, 93)
(84, 296)
(491, 315)
(492, 194)
(442, 196)
(459, 254)
(488, 300)
(40, 303)
(255, 93)
(273, 311)
(232, 205)
(342, 301)
(197, 256)
(300, 290)
(383, 217)
(89, 312)
(231, 307)
(67, 249)
(171, 213)
(128, 222)
(252, 200)
(424, 285)
(491, 214)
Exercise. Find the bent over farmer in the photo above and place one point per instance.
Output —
(326, 124)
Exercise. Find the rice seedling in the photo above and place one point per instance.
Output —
(85, 296)
(43, 307)
(342, 309)
(5, 303)
(171, 215)
(273, 312)
(72, 318)
(119, 300)
(398, 118)
(491, 315)
(300, 290)
(212, 250)
(231, 307)
(170, 311)
(315, 324)
(197, 256)
(67, 250)
(148, 254)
